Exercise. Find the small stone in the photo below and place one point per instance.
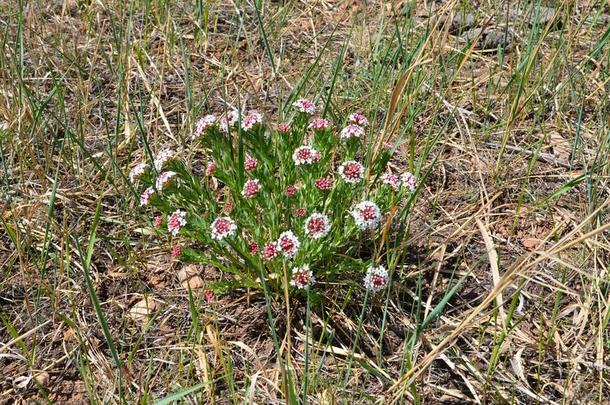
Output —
(42, 378)
(472, 34)
(462, 22)
(141, 311)
(494, 38)
(544, 16)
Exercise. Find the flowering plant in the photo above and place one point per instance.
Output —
(286, 207)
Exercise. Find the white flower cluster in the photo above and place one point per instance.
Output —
(367, 215)
(376, 278)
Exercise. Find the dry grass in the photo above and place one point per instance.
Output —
(512, 128)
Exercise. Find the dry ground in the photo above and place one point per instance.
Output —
(506, 107)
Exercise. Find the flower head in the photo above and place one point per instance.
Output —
(319, 124)
(376, 278)
(409, 181)
(251, 188)
(324, 183)
(302, 277)
(317, 226)
(209, 169)
(288, 244)
(270, 250)
(250, 163)
(391, 180)
(251, 120)
(290, 191)
(158, 221)
(305, 106)
(176, 221)
(223, 227)
(209, 295)
(163, 179)
(352, 131)
(228, 120)
(305, 155)
(137, 171)
(176, 251)
(163, 157)
(351, 171)
(358, 119)
(366, 215)
(229, 207)
(145, 197)
(300, 212)
(253, 248)
(203, 124)
(283, 128)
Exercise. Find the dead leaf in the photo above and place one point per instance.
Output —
(142, 310)
(531, 243)
(189, 277)
(21, 382)
(70, 335)
(156, 280)
(517, 365)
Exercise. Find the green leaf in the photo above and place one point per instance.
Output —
(438, 309)
(180, 394)
(91, 289)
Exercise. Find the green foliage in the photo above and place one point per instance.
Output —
(266, 183)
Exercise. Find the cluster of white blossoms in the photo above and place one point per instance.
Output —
(317, 226)
(164, 179)
(355, 127)
(391, 180)
(305, 155)
(409, 181)
(251, 188)
(376, 278)
(145, 197)
(358, 119)
(305, 106)
(176, 221)
(352, 131)
(251, 120)
(228, 120)
(319, 124)
(223, 227)
(406, 180)
(203, 124)
(137, 172)
(367, 215)
(351, 171)
(288, 244)
(302, 277)
(162, 158)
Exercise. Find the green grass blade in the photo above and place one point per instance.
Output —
(86, 259)
(178, 395)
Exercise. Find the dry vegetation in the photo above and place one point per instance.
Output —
(505, 295)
